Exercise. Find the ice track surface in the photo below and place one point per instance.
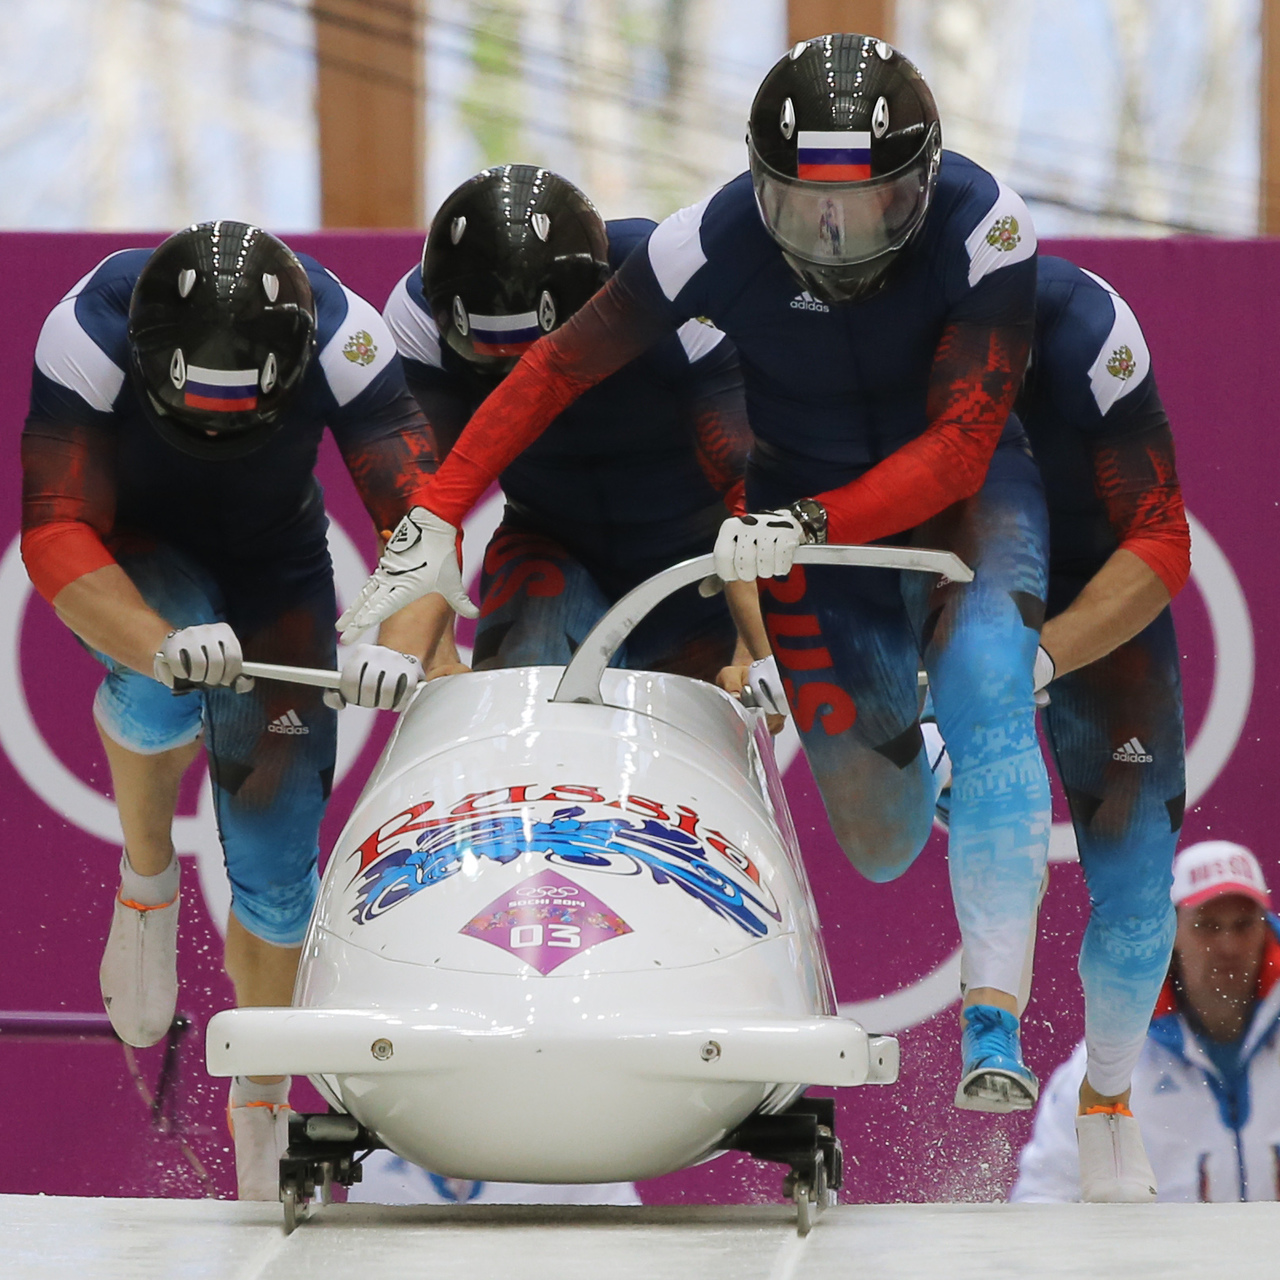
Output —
(64, 1238)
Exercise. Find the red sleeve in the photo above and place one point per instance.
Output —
(972, 387)
(722, 436)
(611, 330)
(391, 461)
(1137, 479)
(57, 554)
(68, 503)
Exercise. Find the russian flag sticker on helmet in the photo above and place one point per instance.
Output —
(504, 335)
(833, 156)
(220, 390)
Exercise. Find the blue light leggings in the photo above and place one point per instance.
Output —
(1117, 735)
(271, 751)
(849, 642)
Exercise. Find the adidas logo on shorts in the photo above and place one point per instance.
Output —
(1132, 752)
(288, 723)
(807, 302)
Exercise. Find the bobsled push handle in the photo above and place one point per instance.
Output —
(581, 680)
(315, 676)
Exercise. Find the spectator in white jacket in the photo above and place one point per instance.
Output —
(1206, 1091)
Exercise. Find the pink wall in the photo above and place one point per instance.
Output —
(76, 1121)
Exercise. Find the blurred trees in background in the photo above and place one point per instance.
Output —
(1111, 116)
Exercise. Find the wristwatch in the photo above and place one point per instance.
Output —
(813, 520)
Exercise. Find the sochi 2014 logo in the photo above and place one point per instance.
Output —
(669, 844)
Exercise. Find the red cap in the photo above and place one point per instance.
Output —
(1214, 868)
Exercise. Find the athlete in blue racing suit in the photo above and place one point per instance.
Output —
(171, 517)
(635, 476)
(1119, 550)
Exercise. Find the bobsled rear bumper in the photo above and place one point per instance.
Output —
(813, 1051)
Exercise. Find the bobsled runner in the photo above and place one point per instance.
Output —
(567, 936)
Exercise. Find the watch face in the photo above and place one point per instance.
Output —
(813, 516)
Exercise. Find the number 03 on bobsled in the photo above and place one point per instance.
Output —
(567, 936)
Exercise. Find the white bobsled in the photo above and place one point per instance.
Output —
(566, 934)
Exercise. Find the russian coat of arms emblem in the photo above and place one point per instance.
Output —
(1004, 235)
(1122, 364)
(360, 348)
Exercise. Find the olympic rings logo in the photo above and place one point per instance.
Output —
(66, 794)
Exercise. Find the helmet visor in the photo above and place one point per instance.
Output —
(838, 223)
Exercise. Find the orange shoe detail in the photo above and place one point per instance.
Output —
(143, 906)
(244, 1106)
(1116, 1109)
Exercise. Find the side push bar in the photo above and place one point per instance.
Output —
(314, 676)
(581, 679)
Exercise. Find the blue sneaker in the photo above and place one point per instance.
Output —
(993, 1077)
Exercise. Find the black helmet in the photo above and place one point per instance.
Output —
(511, 255)
(845, 145)
(221, 330)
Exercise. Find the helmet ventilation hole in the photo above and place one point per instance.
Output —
(546, 312)
(884, 49)
(880, 118)
(541, 226)
(788, 120)
(178, 368)
(269, 371)
(461, 322)
(455, 233)
(270, 286)
(798, 49)
(186, 281)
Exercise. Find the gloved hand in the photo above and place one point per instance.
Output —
(757, 546)
(1041, 674)
(207, 655)
(421, 557)
(743, 681)
(765, 682)
(375, 676)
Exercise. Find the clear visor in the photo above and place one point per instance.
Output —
(838, 223)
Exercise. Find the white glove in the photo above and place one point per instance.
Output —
(421, 557)
(375, 676)
(765, 683)
(757, 546)
(1041, 674)
(207, 655)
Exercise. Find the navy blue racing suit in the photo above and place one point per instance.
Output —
(1102, 440)
(632, 478)
(894, 412)
(240, 541)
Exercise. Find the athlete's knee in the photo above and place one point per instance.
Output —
(880, 849)
(142, 716)
(1131, 917)
(1135, 914)
(987, 666)
(276, 913)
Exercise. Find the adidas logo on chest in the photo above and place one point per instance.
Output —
(1132, 752)
(807, 302)
(287, 723)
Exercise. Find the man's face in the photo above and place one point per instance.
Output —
(1219, 947)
